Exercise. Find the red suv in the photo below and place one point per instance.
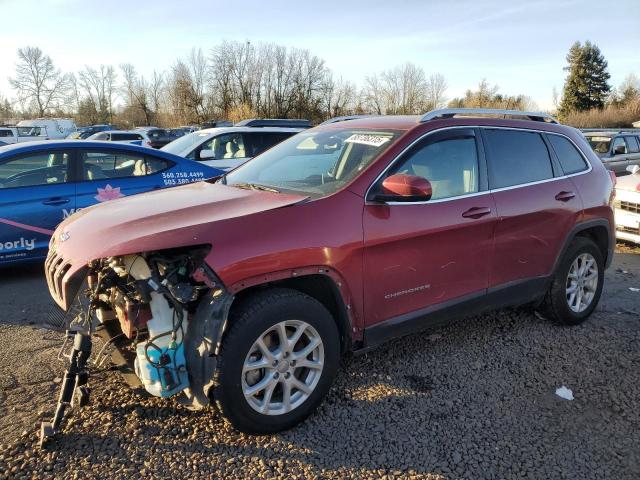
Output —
(244, 290)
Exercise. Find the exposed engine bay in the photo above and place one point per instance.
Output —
(164, 310)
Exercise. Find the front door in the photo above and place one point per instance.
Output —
(425, 254)
(34, 192)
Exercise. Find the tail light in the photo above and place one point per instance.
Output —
(614, 180)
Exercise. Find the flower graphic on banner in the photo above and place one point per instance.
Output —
(108, 193)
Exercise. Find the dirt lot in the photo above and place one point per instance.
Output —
(473, 400)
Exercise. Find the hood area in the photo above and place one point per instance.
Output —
(175, 217)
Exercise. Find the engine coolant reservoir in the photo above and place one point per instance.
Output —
(160, 361)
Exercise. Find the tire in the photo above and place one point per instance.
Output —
(261, 316)
(556, 304)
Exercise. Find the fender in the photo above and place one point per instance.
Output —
(354, 319)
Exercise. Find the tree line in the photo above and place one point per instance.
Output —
(236, 80)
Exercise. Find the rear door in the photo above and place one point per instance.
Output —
(536, 205)
(35, 192)
(107, 174)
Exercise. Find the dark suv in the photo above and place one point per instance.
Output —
(244, 291)
(617, 149)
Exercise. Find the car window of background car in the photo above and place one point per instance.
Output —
(570, 158)
(230, 145)
(619, 142)
(125, 136)
(516, 158)
(316, 163)
(34, 169)
(450, 165)
(600, 144)
(632, 144)
(28, 131)
(258, 142)
(104, 165)
(6, 133)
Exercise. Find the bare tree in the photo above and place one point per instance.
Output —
(136, 93)
(98, 88)
(38, 82)
(436, 87)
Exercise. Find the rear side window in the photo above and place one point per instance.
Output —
(258, 142)
(570, 158)
(516, 158)
(106, 165)
(125, 136)
(6, 133)
(632, 143)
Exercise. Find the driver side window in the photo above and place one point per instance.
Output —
(450, 165)
(224, 146)
(41, 168)
(619, 147)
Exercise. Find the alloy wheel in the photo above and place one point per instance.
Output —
(283, 367)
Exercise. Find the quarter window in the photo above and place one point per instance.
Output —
(516, 158)
(450, 165)
(570, 159)
(35, 169)
(632, 143)
(105, 165)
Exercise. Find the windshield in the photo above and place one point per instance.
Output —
(599, 144)
(316, 163)
(179, 145)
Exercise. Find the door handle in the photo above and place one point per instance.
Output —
(477, 212)
(56, 201)
(565, 196)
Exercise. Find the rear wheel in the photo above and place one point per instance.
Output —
(277, 362)
(577, 284)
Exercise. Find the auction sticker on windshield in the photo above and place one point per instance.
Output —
(364, 139)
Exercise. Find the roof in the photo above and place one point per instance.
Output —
(392, 122)
(27, 147)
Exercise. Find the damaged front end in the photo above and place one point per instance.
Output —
(165, 311)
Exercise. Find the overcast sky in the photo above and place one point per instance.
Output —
(518, 45)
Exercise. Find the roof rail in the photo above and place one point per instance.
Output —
(611, 130)
(344, 118)
(452, 112)
(274, 122)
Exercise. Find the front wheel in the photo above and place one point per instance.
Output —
(277, 361)
(577, 284)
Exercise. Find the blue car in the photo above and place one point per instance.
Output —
(42, 183)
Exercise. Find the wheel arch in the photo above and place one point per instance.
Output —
(319, 283)
(599, 231)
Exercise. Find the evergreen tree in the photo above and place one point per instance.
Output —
(586, 85)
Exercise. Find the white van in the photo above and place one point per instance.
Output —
(13, 134)
(55, 127)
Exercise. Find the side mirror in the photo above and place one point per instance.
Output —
(404, 188)
(620, 150)
(633, 169)
(207, 154)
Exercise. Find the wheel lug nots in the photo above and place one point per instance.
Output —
(276, 375)
(287, 375)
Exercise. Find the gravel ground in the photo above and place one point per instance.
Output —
(472, 400)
